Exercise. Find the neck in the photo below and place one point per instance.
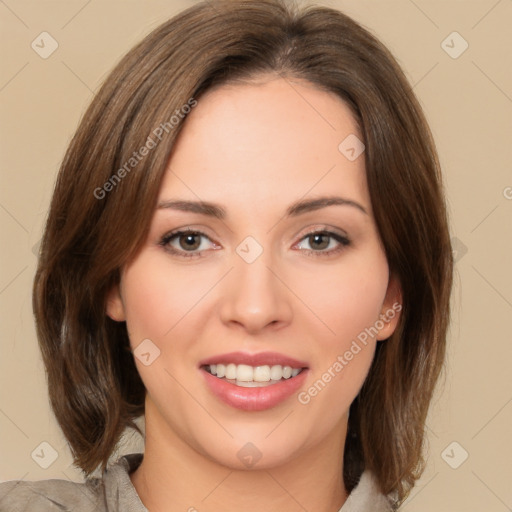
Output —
(173, 477)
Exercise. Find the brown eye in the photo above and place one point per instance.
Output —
(189, 241)
(186, 243)
(320, 241)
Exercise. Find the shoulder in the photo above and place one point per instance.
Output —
(50, 495)
(111, 493)
(367, 496)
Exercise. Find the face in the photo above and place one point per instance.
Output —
(254, 285)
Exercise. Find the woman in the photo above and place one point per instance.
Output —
(248, 244)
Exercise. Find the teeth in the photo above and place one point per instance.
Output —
(220, 370)
(276, 372)
(244, 373)
(261, 374)
(231, 371)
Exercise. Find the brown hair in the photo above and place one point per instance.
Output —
(99, 218)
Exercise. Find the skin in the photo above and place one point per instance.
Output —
(255, 148)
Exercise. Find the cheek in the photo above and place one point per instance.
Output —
(162, 305)
(344, 300)
(157, 298)
(343, 354)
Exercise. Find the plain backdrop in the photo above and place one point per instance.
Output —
(464, 83)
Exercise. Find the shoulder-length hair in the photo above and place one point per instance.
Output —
(107, 189)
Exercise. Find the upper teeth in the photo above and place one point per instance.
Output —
(246, 373)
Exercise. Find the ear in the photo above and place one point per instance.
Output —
(391, 308)
(115, 306)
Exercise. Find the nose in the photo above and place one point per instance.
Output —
(255, 297)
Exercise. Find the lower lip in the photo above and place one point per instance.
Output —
(254, 399)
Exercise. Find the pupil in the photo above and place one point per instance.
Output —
(316, 238)
(190, 238)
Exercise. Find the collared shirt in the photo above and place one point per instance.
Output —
(114, 492)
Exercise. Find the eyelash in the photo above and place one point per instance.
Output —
(166, 239)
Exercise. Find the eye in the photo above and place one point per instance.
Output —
(324, 243)
(186, 243)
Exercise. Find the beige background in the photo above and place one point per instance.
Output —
(468, 101)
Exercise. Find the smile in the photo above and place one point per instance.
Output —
(253, 382)
(244, 375)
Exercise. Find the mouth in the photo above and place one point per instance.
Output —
(247, 376)
(253, 382)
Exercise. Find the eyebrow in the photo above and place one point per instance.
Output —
(298, 208)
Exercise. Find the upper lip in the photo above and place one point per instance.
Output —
(259, 359)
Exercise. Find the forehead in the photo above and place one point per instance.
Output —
(255, 143)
